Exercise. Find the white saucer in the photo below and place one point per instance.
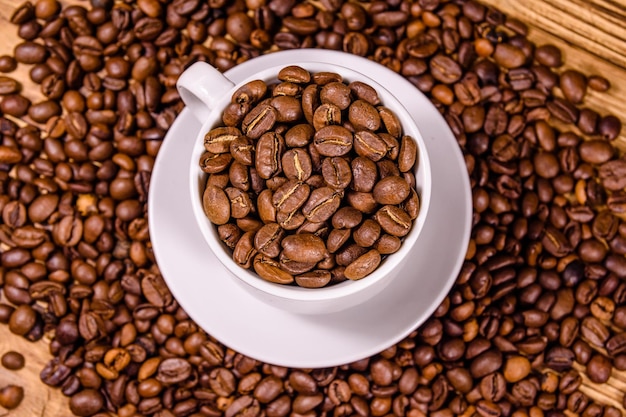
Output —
(232, 315)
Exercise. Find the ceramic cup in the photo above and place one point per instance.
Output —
(207, 92)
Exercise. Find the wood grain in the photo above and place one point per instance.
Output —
(601, 52)
(592, 37)
(596, 26)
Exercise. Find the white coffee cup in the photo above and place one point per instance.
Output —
(207, 92)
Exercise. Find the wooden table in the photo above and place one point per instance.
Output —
(592, 37)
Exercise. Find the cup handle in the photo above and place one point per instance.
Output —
(200, 87)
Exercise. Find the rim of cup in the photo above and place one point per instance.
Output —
(293, 292)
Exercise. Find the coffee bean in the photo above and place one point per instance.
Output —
(445, 69)
(563, 110)
(364, 116)
(22, 320)
(29, 52)
(7, 63)
(313, 279)
(296, 164)
(333, 140)
(573, 84)
(408, 154)
(549, 55)
(86, 402)
(303, 248)
(288, 109)
(596, 151)
(486, 363)
(598, 369)
(509, 56)
(516, 368)
(13, 360)
(598, 83)
(269, 150)
(391, 190)
(15, 105)
(294, 74)
(365, 92)
(336, 172)
(393, 220)
(363, 265)
(267, 239)
(9, 85)
(610, 127)
(259, 120)
(11, 396)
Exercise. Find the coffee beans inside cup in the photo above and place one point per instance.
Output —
(310, 178)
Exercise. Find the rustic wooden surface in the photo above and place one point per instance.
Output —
(592, 36)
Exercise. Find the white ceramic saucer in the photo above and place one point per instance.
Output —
(217, 303)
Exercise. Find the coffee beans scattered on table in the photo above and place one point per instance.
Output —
(544, 275)
(310, 179)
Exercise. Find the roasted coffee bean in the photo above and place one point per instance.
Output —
(346, 217)
(367, 233)
(333, 140)
(573, 84)
(244, 250)
(369, 145)
(322, 204)
(288, 109)
(259, 120)
(509, 56)
(86, 402)
(267, 239)
(391, 190)
(269, 151)
(336, 172)
(270, 270)
(22, 320)
(29, 52)
(364, 116)
(13, 360)
(290, 196)
(299, 135)
(364, 174)
(393, 220)
(598, 83)
(7, 63)
(304, 247)
(216, 205)
(218, 140)
(486, 363)
(313, 279)
(408, 154)
(11, 396)
(294, 74)
(240, 203)
(599, 369)
(296, 164)
(445, 69)
(15, 105)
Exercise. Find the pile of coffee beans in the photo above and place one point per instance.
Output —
(311, 179)
(537, 312)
